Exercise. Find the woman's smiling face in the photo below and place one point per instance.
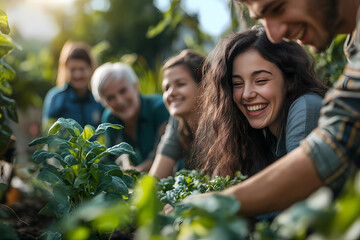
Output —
(180, 91)
(258, 90)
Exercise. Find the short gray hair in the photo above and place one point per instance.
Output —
(110, 71)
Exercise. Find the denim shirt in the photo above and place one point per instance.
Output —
(63, 102)
(334, 146)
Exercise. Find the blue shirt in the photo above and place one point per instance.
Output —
(63, 102)
(153, 115)
(302, 118)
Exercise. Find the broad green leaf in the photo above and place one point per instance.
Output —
(105, 167)
(68, 176)
(5, 100)
(12, 112)
(6, 45)
(75, 168)
(88, 132)
(216, 205)
(7, 73)
(41, 156)
(79, 233)
(104, 182)
(95, 175)
(71, 126)
(4, 25)
(102, 127)
(116, 172)
(52, 139)
(122, 148)
(62, 205)
(113, 217)
(5, 87)
(50, 175)
(82, 143)
(347, 210)
(73, 143)
(82, 177)
(74, 153)
(128, 180)
(118, 186)
(146, 200)
(70, 160)
(94, 152)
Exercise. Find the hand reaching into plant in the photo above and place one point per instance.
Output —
(187, 184)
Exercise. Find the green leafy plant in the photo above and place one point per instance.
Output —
(79, 175)
(7, 105)
(187, 182)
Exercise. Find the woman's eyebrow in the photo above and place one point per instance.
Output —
(261, 71)
(252, 74)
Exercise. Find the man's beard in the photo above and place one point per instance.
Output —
(328, 12)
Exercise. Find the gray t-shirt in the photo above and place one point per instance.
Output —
(170, 144)
(302, 118)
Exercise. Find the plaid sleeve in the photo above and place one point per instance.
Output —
(334, 146)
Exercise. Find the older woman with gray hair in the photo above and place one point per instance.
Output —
(144, 117)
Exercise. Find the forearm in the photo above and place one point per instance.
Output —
(144, 166)
(288, 180)
(162, 167)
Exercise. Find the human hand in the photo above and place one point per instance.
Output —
(168, 208)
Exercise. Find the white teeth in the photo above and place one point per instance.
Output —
(175, 101)
(255, 108)
(300, 34)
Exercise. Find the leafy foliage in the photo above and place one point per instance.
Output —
(79, 174)
(7, 105)
(330, 64)
(214, 217)
(187, 182)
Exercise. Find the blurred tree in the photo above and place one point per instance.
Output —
(122, 24)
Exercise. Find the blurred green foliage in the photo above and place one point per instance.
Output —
(122, 28)
(8, 107)
(330, 64)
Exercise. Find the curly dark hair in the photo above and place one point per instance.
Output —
(225, 141)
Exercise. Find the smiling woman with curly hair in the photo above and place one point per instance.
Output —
(259, 101)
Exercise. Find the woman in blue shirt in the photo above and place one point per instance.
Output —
(72, 98)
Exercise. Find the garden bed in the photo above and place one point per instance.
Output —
(23, 216)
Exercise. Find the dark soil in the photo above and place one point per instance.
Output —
(23, 216)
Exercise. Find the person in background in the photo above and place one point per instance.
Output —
(143, 117)
(182, 75)
(72, 98)
(260, 100)
(327, 155)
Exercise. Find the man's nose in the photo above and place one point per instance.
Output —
(275, 29)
